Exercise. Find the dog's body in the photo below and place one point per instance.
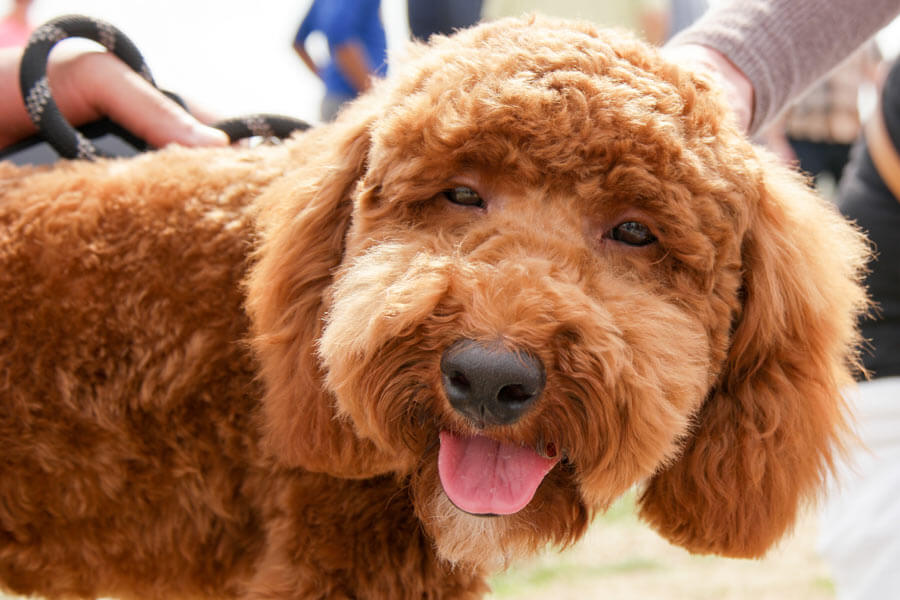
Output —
(250, 372)
(131, 456)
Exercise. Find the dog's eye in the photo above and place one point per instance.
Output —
(632, 233)
(465, 196)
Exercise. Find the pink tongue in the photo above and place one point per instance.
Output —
(483, 476)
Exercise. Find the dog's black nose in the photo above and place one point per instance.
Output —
(490, 384)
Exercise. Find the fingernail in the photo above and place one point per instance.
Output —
(202, 135)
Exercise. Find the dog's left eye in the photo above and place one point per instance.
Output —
(465, 196)
(632, 233)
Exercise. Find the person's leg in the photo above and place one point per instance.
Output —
(860, 522)
(331, 105)
(812, 156)
(838, 157)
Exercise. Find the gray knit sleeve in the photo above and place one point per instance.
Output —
(784, 46)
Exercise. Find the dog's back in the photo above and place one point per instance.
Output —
(126, 389)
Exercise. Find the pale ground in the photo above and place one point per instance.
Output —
(623, 559)
(620, 558)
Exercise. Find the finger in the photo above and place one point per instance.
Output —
(152, 116)
(99, 84)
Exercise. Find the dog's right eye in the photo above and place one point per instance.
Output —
(633, 234)
(464, 196)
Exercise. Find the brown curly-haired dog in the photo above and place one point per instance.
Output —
(535, 267)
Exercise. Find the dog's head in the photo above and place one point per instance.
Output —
(538, 266)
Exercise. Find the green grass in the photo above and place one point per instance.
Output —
(621, 510)
(530, 577)
(513, 583)
(824, 583)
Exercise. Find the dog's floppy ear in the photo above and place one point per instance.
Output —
(769, 430)
(302, 220)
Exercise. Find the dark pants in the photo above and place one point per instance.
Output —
(821, 157)
(427, 17)
(864, 198)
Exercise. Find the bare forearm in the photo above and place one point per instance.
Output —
(15, 124)
(306, 58)
(354, 65)
(90, 85)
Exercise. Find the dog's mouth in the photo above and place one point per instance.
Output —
(482, 476)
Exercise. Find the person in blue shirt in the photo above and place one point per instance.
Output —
(356, 42)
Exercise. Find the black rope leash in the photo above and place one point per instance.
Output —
(71, 143)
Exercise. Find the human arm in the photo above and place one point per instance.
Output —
(300, 49)
(767, 52)
(351, 59)
(352, 28)
(90, 85)
(304, 31)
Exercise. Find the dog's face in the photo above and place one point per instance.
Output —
(553, 247)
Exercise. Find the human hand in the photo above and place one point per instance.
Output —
(738, 89)
(776, 141)
(89, 85)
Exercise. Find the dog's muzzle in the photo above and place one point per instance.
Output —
(489, 384)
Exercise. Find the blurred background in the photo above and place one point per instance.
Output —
(235, 57)
(232, 57)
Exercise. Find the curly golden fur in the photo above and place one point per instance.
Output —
(220, 369)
